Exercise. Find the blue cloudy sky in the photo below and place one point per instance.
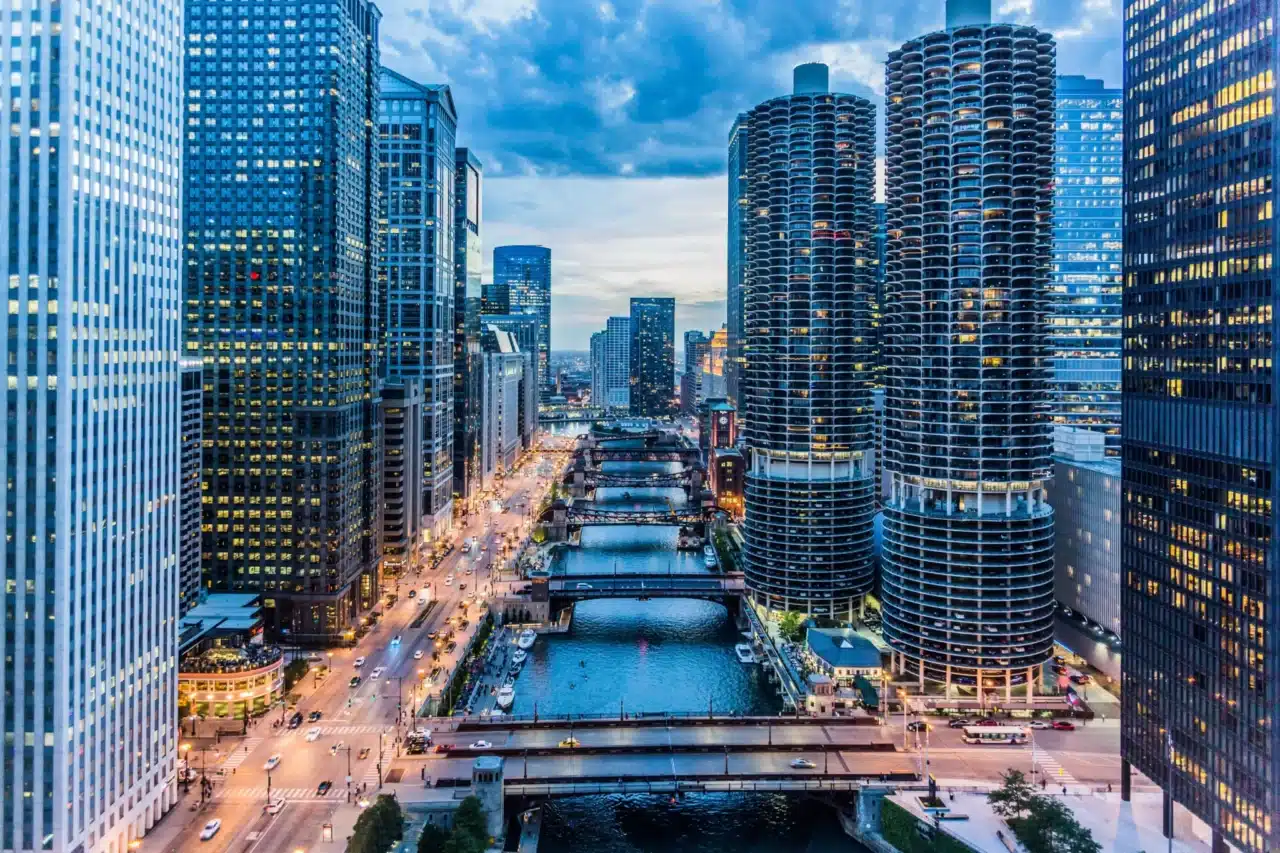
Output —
(602, 123)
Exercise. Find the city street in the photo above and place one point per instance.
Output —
(353, 720)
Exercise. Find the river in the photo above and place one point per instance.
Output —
(675, 655)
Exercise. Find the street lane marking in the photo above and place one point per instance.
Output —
(240, 753)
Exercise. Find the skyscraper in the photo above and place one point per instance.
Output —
(418, 125)
(1085, 288)
(283, 303)
(467, 262)
(696, 345)
(526, 270)
(653, 355)
(881, 242)
(189, 512)
(618, 363)
(967, 566)
(91, 441)
(739, 234)
(599, 367)
(806, 393)
(1200, 607)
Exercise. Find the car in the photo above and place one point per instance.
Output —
(433, 635)
(275, 806)
(482, 744)
(313, 734)
(395, 641)
(323, 788)
(989, 721)
(1039, 724)
(272, 763)
(570, 743)
(1059, 659)
(364, 753)
(359, 662)
(448, 581)
(1063, 726)
(377, 672)
(918, 726)
(413, 593)
(802, 764)
(295, 720)
(449, 648)
(584, 586)
(210, 829)
(1081, 678)
(354, 682)
(958, 723)
(314, 716)
(462, 586)
(333, 750)
(435, 673)
(417, 655)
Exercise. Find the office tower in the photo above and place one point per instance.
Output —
(881, 240)
(495, 298)
(696, 346)
(522, 327)
(504, 371)
(599, 366)
(526, 270)
(653, 356)
(618, 363)
(467, 263)
(417, 277)
(806, 393)
(190, 580)
(91, 441)
(711, 376)
(967, 565)
(739, 234)
(283, 304)
(1085, 286)
(1201, 601)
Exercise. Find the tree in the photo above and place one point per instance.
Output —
(432, 839)
(791, 626)
(1014, 796)
(470, 821)
(378, 827)
(1050, 827)
(294, 672)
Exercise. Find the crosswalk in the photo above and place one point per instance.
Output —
(1054, 772)
(245, 794)
(240, 753)
(356, 730)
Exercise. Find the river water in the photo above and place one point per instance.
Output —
(672, 655)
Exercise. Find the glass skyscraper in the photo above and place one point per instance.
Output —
(467, 263)
(739, 233)
(283, 305)
(967, 564)
(653, 355)
(91, 441)
(526, 270)
(806, 392)
(1200, 606)
(1085, 286)
(417, 277)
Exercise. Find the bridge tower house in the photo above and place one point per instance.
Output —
(487, 786)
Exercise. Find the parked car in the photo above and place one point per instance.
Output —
(1064, 726)
(210, 829)
(1081, 678)
(323, 788)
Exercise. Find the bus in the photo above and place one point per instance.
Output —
(995, 734)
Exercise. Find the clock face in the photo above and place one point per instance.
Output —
(724, 419)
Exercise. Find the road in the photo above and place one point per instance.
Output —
(352, 719)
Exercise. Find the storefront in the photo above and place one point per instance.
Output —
(230, 683)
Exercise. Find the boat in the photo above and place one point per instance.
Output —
(519, 656)
(526, 639)
(506, 695)
(744, 653)
(626, 496)
(709, 561)
(709, 551)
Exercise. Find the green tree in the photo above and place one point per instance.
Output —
(378, 827)
(432, 839)
(1050, 827)
(294, 672)
(470, 821)
(791, 626)
(1014, 796)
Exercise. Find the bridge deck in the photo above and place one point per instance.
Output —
(691, 720)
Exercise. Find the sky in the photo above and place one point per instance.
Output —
(602, 125)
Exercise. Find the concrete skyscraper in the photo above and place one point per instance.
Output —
(417, 278)
(967, 566)
(91, 441)
(467, 262)
(653, 355)
(282, 302)
(1085, 288)
(1200, 606)
(806, 392)
(526, 271)
(739, 235)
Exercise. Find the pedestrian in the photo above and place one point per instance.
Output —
(1108, 787)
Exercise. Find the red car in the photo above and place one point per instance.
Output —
(1064, 726)
(989, 722)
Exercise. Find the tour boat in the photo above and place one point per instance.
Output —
(519, 656)
(527, 638)
(506, 695)
(744, 653)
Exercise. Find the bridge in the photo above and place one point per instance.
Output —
(572, 414)
(590, 514)
(589, 587)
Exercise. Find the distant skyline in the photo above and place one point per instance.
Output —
(603, 126)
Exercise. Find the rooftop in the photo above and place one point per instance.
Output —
(843, 647)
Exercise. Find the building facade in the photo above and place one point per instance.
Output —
(1201, 600)
(503, 376)
(467, 263)
(404, 500)
(967, 561)
(526, 271)
(283, 304)
(697, 344)
(618, 363)
(190, 580)
(495, 298)
(1087, 257)
(739, 237)
(806, 392)
(599, 367)
(418, 277)
(91, 442)
(653, 356)
(881, 241)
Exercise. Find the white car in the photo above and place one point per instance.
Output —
(448, 581)
(802, 764)
(360, 661)
(584, 586)
(482, 744)
(377, 671)
(275, 806)
(395, 641)
(417, 655)
(210, 829)
(313, 734)
(1039, 724)
(272, 763)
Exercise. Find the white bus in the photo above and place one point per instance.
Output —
(995, 734)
